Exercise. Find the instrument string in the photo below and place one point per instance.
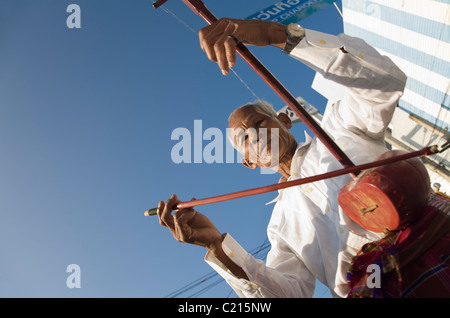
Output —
(244, 83)
(177, 18)
(173, 15)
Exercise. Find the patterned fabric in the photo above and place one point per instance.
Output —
(414, 262)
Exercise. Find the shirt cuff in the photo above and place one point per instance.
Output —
(240, 257)
(318, 50)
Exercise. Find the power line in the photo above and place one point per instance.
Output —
(191, 285)
(263, 248)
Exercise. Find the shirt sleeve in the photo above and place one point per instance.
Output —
(288, 277)
(373, 82)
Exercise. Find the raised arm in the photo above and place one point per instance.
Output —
(374, 82)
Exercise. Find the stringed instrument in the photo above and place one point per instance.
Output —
(391, 195)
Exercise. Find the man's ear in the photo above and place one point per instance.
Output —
(249, 164)
(284, 118)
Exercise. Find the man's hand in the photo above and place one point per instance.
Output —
(187, 225)
(218, 43)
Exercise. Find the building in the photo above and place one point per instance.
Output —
(415, 34)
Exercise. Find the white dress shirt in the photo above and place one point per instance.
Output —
(311, 236)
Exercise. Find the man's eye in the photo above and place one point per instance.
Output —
(258, 123)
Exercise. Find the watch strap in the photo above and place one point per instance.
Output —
(292, 39)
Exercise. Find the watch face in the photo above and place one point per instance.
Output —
(295, 34)
(295, 30)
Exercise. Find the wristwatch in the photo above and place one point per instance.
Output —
(295, 33)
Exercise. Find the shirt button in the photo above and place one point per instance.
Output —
(309, 189)
(295, 174)
(254, 286)
(327, 209)
(323, 42)
(361, 56)
(341, 230)
(231, 254)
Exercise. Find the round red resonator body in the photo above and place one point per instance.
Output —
(388, 197)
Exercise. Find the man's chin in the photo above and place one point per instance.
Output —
(270, 164)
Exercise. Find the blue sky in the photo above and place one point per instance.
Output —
(86, 117)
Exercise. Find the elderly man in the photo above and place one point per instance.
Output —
(310, 235)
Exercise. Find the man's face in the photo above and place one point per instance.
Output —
(263, 140)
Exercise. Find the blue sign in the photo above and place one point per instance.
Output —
(290, 11)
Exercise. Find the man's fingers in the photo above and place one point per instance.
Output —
(225, 48)
(159, 211)
(230, 49)
(183, 231)
(165, 212)
(208, 37)
(219, 47)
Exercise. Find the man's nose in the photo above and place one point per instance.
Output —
(254, 137)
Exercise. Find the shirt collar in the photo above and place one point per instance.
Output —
(296, 164)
